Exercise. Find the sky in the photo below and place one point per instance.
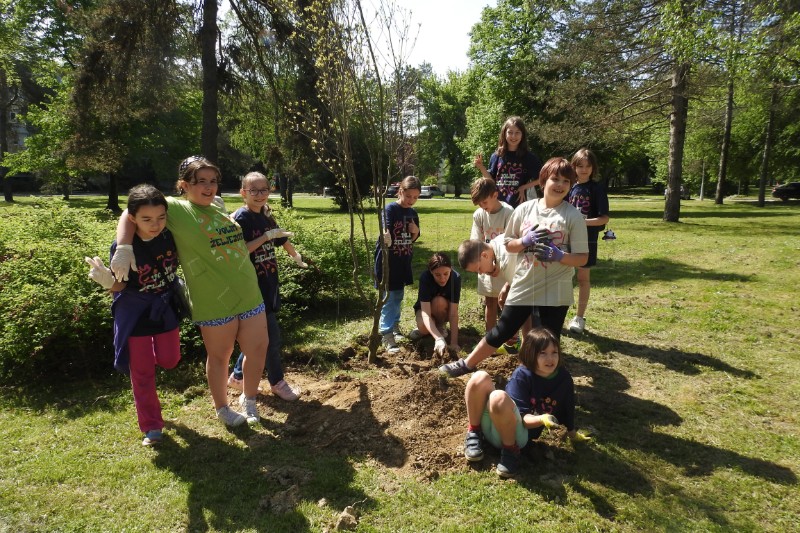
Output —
(444, 27)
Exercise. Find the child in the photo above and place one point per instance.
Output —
(488, 221)
(589, 197)
(550, 237)
(221, 283)
(401, 229)
(262, 235)
(512, 166)
(540, 394)
(146, 330)
(437, 303)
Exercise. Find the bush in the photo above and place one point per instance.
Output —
(52, 317)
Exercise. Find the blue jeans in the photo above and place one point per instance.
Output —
(274, 365)
(390, 312)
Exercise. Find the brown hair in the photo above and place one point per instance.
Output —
(439, 259)
(409, 182)
(584, 154)
(188, 168)
(557, 166)
(536, 341)
(470, 251)
(501, 140)
(481, 189)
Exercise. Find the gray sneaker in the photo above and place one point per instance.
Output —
(456, 368)
(250, 409)
(230, 417)
(398, 335)
(389, 343)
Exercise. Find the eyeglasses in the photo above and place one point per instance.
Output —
(256, 192)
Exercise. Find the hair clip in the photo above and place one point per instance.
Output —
(188, 161)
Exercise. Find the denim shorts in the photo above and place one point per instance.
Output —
(241, 316)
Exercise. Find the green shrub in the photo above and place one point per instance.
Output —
(52, 317)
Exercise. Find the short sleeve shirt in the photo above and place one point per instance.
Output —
(429, 289)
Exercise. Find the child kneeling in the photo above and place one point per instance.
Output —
(539, 394)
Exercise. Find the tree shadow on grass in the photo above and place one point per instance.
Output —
(689, 363)
(259, 486)
(651, 269)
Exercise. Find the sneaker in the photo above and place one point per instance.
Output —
(152, 437)
(473, 446)
(577, 324)
(398, 335)
(509, 463)
(501, 350)
(284, 391)
(456, 368)
(238, 384)
(250, 409)
(389, 343)
(415, 335)
(235, 383)
(229, 416)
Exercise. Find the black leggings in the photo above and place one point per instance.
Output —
(514, 316)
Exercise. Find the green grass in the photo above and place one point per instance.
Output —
(688, 375)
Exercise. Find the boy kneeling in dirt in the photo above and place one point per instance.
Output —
(539, 394)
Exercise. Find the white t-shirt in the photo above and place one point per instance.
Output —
(535, 282)
(485, 227)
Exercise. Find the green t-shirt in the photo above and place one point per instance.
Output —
(220, 277)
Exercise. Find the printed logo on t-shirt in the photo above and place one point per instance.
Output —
(264, 256)
(401, 237)
(159, 277)
(222, 238)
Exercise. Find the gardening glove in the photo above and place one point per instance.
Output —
(534, 236)
(387, 239)
(549, 421)
(219, 202)
(548, 253)
(123, 262)
(440, 347)
(99, 273)
(580, 436)
(299, 260)
(278, 233)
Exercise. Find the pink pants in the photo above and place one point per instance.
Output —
(163, 350)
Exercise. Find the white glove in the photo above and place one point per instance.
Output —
(123, 261)
(549, 421)
(387, 239)
(440, 347)
(278, 233)
(299, 260)
(99, 273)
(219, 202)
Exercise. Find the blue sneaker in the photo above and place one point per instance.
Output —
(152, 437)
(473, 446)
(509, 463)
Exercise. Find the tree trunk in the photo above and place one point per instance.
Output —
(208, 44)
(677, 138)
(113, 194)
(768, 140)
(5, 103)
(726, 145)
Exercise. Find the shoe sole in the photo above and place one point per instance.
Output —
(576, 330)
(473, 459)
(505, 475)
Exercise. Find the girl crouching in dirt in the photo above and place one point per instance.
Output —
(540, 394)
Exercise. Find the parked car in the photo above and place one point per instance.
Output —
(787, 190)
(429, 191)
(685, 194)
(391, 190)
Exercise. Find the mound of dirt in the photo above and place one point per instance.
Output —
(403, 413)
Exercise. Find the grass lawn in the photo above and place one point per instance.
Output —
(687, 375)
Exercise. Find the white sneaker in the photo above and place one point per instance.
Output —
(389, 343)
(229, 416)
(577, 324)
(285, 391)
(235, 383)
(250, 409)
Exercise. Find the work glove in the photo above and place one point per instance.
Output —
(440, 347)
(548, 253)
(534, 236)
(299, 260)
(549, 421)
(123, 262)
(580, 436)
(99, 273)
(278, 233)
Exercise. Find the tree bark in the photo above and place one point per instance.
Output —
(5, 103)
(725, 150)
(208, 44)
(768, 140)
(677, 139)
(113, 194)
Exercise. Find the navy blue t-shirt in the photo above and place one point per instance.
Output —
(429, 289)
(254, 225)
(591, 200)
(536, 395)
(396, 219)
(511, 172)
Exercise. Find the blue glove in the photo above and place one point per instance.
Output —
(548, 253)
(534, 236)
